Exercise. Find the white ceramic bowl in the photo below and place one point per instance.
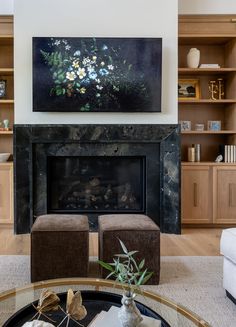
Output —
(4, 157)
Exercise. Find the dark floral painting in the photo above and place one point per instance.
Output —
(97, 74)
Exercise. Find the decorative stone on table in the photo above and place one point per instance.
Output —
(37, 323)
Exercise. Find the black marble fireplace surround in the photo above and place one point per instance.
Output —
(158, 146)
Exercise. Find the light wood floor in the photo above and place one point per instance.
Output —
(198, 241)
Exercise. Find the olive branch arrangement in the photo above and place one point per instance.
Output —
(127, 271)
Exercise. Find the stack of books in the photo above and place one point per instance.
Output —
(110, 319)
(209, 66)
(229, 153)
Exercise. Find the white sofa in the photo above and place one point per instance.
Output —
(228, 250)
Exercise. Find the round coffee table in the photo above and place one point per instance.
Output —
(16, 303)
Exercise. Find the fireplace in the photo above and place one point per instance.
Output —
(96, 184)
(97, 169)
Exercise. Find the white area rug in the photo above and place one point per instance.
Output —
(195, 282)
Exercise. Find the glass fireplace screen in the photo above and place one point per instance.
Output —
(96, 184)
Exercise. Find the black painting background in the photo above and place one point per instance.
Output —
(145, 54)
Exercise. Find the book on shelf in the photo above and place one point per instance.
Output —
(110, 318)
(209, 66)
(229, 153)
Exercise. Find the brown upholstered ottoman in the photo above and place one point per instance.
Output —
(59, 247)
(138, 232)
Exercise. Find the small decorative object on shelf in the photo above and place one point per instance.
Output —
(197, 148)
(219, 158)
(191, 153)
(131, 275)
(216, 89)
(209, 66)
(199, 127)
(213, 89)
(6, 123)
(5, 127)
(221, 92)
(193, 58)
(188, 89)
(214, 125)
(185, 125)
(3, 88)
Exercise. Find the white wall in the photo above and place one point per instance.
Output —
(150, 18)
(207, 7)
(6, 7)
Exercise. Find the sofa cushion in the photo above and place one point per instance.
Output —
(228, 244)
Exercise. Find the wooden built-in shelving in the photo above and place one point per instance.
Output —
(6, 112)
(208, 187)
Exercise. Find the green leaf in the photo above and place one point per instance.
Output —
(121, 255)
(111, 274)
(59, 91)
(61, 77)
(132, 253)
(141, 265)
(147, 277)
(140, 281)
(104, 264)
(123, 247)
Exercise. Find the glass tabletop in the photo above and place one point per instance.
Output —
(175, 314)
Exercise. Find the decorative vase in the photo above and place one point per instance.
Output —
(193, 58)
(129, 314)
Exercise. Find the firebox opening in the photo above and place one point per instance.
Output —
(96, 184)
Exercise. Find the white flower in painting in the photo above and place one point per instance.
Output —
(98, 95)
(57, 42)
(67, 47)
(110, 67)
(75, 64)
(82, 90)
(99, 87)
(77, 53)
(86, 61)
(102, 63)
(97, 80)
(70, 76)
(81, 73)
(94, 58)
(90, 69)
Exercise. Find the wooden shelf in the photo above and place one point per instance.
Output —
(206, 71)
(6, 40)
(6, 71)
(6, 132)
(193, 39)
(209, 132)
(8, 163)
(6, 101)
(206, 163)
(209, 101)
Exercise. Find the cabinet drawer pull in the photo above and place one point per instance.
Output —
(232, 194)
(195, 193)
(233, 20)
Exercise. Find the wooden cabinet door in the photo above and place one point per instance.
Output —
(224, 200)
(6, 193)
(196, 199)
